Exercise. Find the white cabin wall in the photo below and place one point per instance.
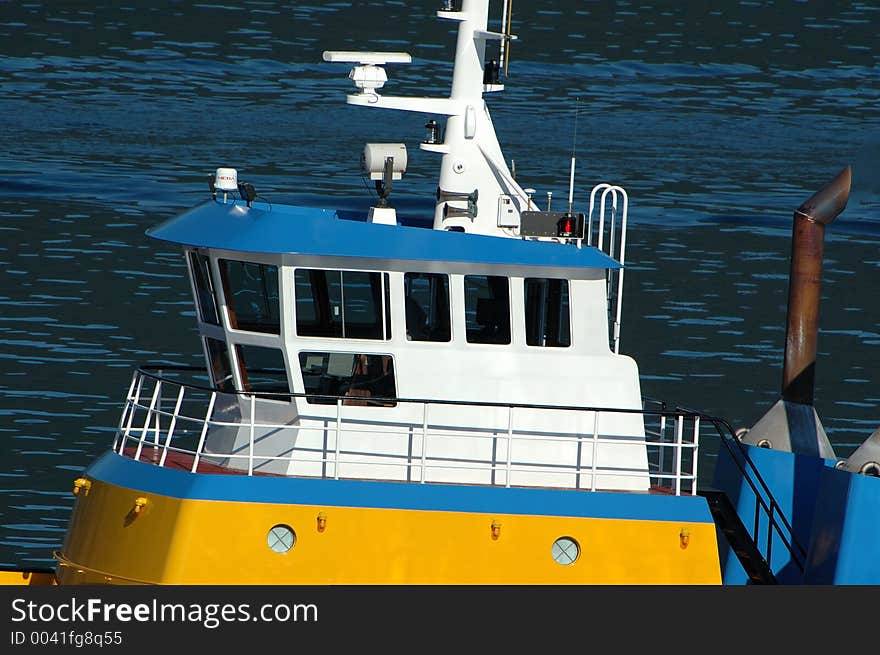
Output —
(586, 374)
(589, 313)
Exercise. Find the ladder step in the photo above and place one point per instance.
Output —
(740, 541)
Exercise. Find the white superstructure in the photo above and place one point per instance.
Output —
(363, 349)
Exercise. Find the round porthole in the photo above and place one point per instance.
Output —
(871, 468)
(565, 551)
(281, 538)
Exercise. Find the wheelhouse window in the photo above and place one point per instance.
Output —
(548, 321)
(221, 368)
(204, 283)
(251, 292)
(263, 371)
(487, 308)
(359, 379)
(342, 304)
(427, 306)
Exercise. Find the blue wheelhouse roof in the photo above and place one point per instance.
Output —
(287, 229)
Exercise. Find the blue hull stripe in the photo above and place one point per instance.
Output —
(124, 472)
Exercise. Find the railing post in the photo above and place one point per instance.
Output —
(140, 446)
(757, 530)
(338, 436)
(595, 449)
(595, 190)
(696, 451)
(509, 444)
(125, 408)
(579, 454)
(622, 260)
(133, 405)
(201, 445)
(251, 440)
(679, 430)
(661, 456)
(172, 425)
(424, 441)
(157, 414)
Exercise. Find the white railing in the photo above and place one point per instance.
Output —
(165, 420)
(610, 238)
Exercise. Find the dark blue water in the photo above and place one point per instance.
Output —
(718, 120)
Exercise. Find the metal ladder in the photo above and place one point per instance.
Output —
(738, 537)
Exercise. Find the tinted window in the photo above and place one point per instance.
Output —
(204, 282)
(262, 370)
(547, 313)
(251, 295)
(221, 369)
(342, 304)
(359, 378)
(487, 309)
(427, 307)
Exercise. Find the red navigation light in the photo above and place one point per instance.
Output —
(570, 226)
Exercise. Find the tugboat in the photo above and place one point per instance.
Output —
(384, 403)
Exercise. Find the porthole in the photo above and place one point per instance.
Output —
(281, 538)
(565, 551)
(764, 443)
(871, 468)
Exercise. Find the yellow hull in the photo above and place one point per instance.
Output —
(26, 578)
(119, 534)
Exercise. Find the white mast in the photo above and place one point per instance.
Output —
(473, 173)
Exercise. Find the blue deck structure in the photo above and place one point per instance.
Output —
(311, 231)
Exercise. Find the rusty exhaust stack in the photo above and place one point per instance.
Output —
(792, 424)
(802, 328)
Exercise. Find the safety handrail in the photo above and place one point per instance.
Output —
(154, 432)
(771, 508)
(614, 292)
(154, 372)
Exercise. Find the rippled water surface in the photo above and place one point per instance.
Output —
(719, 120)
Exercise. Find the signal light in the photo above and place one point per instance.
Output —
(570, 226)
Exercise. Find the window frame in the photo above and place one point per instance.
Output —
(228, 296)
(510, 305)
(194, 260)
(244, 376)
(363, 401)
(447, 278)
(212, 369)
(384, 307)
(568, 293)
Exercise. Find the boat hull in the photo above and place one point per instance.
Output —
(140, 523)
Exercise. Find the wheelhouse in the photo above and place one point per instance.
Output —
(304, 329)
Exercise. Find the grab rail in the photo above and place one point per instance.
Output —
(163, 416)
(765, 502)
(614, 292)
(770, 507)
